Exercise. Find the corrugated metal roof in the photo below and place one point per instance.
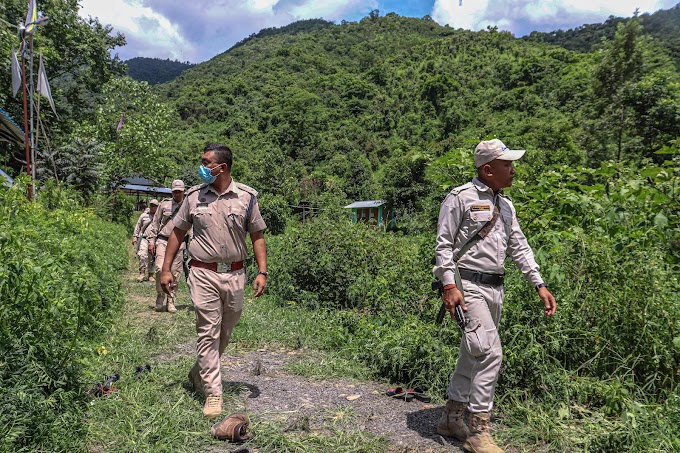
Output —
(138, 188)
(7, 182)
(140, 181)
(366, 204)
(9, 130)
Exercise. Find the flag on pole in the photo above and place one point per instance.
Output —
(31, 17)
(120, 124)
(44, 86)
(16, 74)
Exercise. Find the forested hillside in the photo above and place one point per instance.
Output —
(371, 109)
(155, 70)
(663, 25)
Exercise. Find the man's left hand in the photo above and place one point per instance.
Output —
(548, 300)
(259, 284)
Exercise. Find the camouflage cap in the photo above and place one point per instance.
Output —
(153, 201)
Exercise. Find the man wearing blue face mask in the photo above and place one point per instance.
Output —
(221, 212)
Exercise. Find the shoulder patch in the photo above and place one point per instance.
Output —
(245, 188)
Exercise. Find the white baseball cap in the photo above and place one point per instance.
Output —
(177, 184)
(489, 150)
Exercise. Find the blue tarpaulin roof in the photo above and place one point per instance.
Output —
(367, 204)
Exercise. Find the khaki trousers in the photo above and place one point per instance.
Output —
(175, 268)
(145, 260)
(218, 303)
(479, 360)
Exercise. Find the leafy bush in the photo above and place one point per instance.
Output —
(58, 283)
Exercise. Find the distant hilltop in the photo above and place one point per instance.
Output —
(155, 70)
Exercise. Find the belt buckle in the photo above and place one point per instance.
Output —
(223, 267)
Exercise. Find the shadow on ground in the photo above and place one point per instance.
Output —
(424, 422)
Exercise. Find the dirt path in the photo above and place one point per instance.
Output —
(257, 383)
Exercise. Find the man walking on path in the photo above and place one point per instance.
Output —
(222, 212)
(159, 233)
(477, 228)
(139, 239)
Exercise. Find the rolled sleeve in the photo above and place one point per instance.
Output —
(450, 215)
(256, 222)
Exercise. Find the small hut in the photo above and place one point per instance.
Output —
(372, 212)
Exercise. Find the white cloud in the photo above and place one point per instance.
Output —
(523, 16)
(136, 21)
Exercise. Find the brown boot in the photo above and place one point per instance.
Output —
(480, 441)
(213, 406)
(233, 428)
(452, 422)
(141, 277)
(160, 302)
(151, 279)
(171, 307)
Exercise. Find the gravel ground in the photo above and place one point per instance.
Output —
(265, 390)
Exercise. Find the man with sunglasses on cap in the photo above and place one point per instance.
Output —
(477, 228)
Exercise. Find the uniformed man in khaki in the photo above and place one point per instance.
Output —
(222, 212)
(480, 206)
(159, 233)
(141, 242)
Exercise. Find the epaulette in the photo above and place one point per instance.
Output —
(194, 189)
(459, 189)
(502, 194)
(245, 188)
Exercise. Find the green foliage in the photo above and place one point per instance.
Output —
(334, 263)
(58, 285)
(77, 57)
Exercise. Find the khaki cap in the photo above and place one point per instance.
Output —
(177, 184)
(489, 150)
(153, 201)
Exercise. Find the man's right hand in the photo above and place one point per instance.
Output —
(451, 298)
(166, 281)
(134, 241)
(152, 249)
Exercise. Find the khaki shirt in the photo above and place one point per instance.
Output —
(219, 222)
(463, 213)
(142, 224)
(165, 210)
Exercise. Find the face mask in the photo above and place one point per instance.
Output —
(206, 176)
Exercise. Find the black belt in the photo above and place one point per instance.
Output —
(165, 238)
(481, 277)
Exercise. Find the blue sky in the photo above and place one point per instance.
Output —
(197, 30)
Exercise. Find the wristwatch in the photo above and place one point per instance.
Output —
(541, 285)
(266, 274)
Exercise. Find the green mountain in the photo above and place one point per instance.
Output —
(663, 25)
(391, 107)
(155, 70)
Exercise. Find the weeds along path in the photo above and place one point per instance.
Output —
(298, 399)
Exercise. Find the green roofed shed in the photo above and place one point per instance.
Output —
(370, 211)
